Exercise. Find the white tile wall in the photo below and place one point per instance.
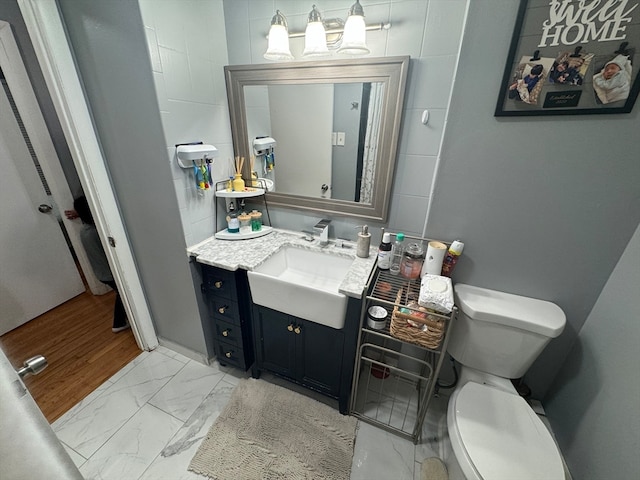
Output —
(188, 49)
(191, 40)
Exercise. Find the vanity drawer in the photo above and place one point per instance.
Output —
(219, 282)
(225, 309)
(228, 333)
(230, 355)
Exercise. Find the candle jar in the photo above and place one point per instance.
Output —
(412, 261)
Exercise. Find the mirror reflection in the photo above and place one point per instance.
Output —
(335, 123)
(339, 138)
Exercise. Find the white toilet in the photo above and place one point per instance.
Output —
(494, 433)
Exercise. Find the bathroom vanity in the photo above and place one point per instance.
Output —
(228, 302)
(310, 350)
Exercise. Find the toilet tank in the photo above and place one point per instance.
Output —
(501, 333)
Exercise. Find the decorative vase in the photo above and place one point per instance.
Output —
(238, 183)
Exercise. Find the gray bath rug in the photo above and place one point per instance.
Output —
(270, 432)
(433, 469)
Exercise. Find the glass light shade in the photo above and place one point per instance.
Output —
(354, 39)
(278, 48)
(315, 40)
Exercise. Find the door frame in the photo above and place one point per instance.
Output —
(47, 33)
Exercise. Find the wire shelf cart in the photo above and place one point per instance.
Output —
(397, 366)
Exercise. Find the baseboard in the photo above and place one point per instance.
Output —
(187, 352)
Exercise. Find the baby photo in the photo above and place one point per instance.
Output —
(612, 78)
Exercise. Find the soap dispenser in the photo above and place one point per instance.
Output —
(364, 242)
(233, 224)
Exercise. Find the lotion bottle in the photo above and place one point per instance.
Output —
(364, 242)
(384, 252)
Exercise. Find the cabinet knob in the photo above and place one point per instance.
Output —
(218, 284)
(297, 330)
(228, 354)
(223, 309)
(290, 327)
(225, 333)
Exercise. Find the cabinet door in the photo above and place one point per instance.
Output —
(275, 342)
(319, 350)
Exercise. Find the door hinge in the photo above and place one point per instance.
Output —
(112, 241)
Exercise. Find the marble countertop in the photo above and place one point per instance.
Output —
(249, 254)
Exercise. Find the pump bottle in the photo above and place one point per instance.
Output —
(364, 242)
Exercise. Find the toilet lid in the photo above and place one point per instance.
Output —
(503, 436)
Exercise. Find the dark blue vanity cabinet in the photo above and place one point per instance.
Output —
(229, 303)
(315, 356)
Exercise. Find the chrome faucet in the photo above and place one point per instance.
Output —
(322, 230)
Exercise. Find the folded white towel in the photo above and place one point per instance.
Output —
(436, 293)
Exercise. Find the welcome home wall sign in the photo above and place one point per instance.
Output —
(572, 57)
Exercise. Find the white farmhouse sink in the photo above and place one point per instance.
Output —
(303, 283)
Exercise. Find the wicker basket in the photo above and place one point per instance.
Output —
(403, 330)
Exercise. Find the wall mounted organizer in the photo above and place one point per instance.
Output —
(187, 153)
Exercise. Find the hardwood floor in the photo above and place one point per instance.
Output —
(81, 350)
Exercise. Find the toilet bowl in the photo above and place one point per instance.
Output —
(494, 433)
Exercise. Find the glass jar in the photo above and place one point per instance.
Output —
(245, 222)
(256, 221)
(412, 261)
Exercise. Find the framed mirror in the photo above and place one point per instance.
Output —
(335, 124)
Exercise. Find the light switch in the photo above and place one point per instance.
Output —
(341, 139)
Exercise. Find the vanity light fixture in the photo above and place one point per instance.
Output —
(278, 48)
(354, 40)
(315, 37)
(322, 35)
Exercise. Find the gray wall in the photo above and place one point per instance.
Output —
(593, 404)
(545, 205)
(10, 12)
(108, 40)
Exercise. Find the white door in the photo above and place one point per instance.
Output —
(37, 271)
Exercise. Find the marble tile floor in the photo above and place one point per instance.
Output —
(147, 421)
